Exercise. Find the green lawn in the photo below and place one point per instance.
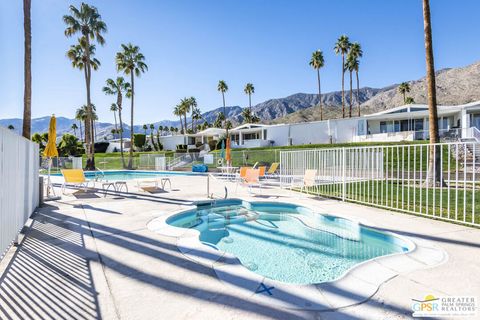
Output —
(432, 202)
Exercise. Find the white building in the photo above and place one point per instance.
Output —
(404, 123)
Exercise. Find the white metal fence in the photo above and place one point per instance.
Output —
(399, 177)
(19, 187)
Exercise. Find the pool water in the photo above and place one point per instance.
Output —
(130, 175)
(286, 242)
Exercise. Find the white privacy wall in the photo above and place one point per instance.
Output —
(19, 190)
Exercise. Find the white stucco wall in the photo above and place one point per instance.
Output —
(342, 130)
(171, 142)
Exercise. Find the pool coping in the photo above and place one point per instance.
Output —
(152, 172)
(357, 285)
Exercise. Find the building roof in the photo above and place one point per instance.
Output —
(210, 132)
(419, 110)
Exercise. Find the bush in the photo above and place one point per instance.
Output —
(139, 140)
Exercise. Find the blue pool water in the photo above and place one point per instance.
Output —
(286, 242)
(130, 174)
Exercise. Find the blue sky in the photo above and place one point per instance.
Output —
(189, 45)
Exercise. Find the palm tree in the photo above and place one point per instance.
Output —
(160, 128)
(247, 115)
(249, 90)
(152, 127)
(145, 127)
(341, 47)
(11, 127)
(132, 62)
(196, 115)
(172, 129)
(114, 109)
(409, 100)
(435, 176)
(403, 89)
(177, 111)
(88, 22)
(357, 52)
(222, 87)
(80, 117)
(27, 93)
(192, 103)
(185, 105)
(218, 121)
(317, 61)
(74, 128)
(351, 65)
(118, 87)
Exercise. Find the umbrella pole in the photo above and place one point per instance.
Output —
(49, 181)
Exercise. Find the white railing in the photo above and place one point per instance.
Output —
(398, 177)
(19, 186)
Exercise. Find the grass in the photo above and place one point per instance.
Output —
(412, 199)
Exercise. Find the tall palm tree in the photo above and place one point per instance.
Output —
(74, 127)
(249, 90)
(196, 115)
(80, 117)
(247, 115)
(177, 111)
(11, 127)
(317, 61)
(185, 108)
(403, 89)
(160, 128)
(357, 52)
(192, 103)
(132, 62)
(435, 176)
(351, 65)
(118, 87)
(27, 93)
(223, 87)
(114, 109)
(341, 47)
(88, 23)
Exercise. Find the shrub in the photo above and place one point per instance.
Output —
(139, 140)
(212, 144)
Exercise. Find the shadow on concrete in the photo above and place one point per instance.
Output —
(50, 275)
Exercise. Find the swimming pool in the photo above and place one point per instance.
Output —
(287, 242)
(132, 174)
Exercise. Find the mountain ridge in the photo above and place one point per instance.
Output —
(454, 86)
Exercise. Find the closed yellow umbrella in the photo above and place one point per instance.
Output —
(51, 148)
(51, 152)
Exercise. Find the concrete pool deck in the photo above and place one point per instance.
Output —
(93, 257)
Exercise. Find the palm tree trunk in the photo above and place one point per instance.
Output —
(81, 133)
(319, 94)
(27, 95)
(250, 102)
(115, 116)
(404, 97)
(89, 139)
(121, 134)
(343, 85)
(434, 158)
(130, 158)
(351, 97)
(358, 93)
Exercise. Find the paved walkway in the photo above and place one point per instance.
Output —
(90, 257)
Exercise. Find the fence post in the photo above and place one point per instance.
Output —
(344, 182)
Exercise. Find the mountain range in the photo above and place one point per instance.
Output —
(454, 86)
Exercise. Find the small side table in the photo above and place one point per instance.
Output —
(106, 186)
(119, 186)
